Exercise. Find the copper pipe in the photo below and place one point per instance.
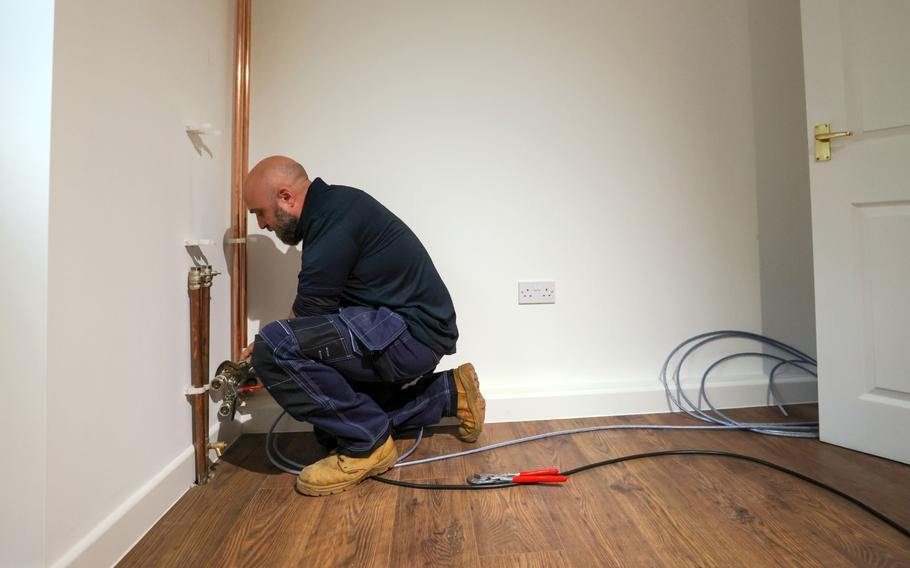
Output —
(239, 168)
(199, 283)
(200, 401)
(205, 309)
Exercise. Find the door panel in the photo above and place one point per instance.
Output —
(884, 230)
(876, 35)
(857, 67)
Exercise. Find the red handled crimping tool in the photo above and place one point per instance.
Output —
(537, 476)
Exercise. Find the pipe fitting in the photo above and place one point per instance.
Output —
(219, 447)
(207, 275)
(194, 279)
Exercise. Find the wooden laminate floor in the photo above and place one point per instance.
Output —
(667, 511)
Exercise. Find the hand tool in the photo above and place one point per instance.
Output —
(536, 476)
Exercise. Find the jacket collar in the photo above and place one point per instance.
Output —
(316, 189)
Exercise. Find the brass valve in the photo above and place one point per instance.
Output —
(219, 447)
(207, 274)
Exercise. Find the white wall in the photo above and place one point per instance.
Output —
(127, 187)
(589, 142)
(26, 57)
(782, 172)
(606, 145)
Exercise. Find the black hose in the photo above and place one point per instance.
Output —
(881, 516)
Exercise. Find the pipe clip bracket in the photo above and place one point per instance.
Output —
(196, 390)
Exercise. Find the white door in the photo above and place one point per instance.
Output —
(857, 66)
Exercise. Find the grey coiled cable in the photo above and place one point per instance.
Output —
(681, 401)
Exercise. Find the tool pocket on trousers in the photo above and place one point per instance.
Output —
(375, 328)
(319, 339)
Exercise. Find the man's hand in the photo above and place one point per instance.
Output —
(247, 351)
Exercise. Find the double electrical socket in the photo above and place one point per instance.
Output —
(537, 292)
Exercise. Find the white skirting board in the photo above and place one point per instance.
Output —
(733, 393)
(112, 538)
(260, 411)
(107, 542)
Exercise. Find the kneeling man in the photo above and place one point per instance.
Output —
(357, 356)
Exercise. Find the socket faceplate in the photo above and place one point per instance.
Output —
(542, 292)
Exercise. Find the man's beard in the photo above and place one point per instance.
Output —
(285, 227)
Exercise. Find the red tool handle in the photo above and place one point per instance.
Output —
(539, 478)
(540, 472)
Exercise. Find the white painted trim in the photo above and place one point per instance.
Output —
(116, 534)
(259, 412)
(510, 407)
(504, 406)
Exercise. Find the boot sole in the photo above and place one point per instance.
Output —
(476, 403)
(323, 490)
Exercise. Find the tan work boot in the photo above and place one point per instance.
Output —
(336, 472)
(471, 405)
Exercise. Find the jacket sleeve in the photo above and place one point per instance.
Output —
(326, 264)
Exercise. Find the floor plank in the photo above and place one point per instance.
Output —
(528, 560)
(190, 532)
(268, 531)
(355, 528)
(667, 511)
(441, 533)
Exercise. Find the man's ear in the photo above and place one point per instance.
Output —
(286, 195)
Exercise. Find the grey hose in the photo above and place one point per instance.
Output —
(682, 402)
(288, 465)
(718, 421)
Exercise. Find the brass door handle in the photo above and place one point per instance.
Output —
(832, 135)
(823, 137)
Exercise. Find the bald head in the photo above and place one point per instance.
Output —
(270, 174)
(274, 191)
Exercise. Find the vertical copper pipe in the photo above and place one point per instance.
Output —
(200, 403)
(239, 168)
(205, 308)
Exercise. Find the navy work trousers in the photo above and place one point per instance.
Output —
(357, 376)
